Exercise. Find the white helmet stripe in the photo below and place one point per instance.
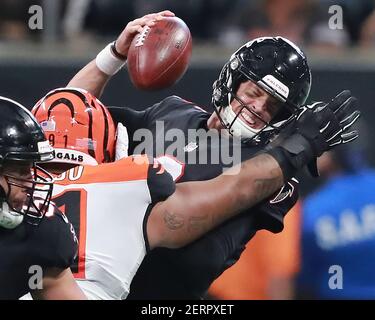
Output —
(73, 157)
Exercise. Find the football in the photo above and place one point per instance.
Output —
(159, 55)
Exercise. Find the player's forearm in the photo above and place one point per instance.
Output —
(59, 284)
(197, 207)
(91, 79)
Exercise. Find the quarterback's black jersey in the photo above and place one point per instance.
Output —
(27, 248)
(186, 273)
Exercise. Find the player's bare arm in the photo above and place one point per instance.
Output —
(59, 284)
(91, 78)
(197, 207)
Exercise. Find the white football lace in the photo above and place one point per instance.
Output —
(142, 36)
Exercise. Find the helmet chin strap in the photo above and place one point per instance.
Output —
(9, 219)
(239, 128)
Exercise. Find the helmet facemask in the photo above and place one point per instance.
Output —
(38, 191)
(259, 66)
(25, 189)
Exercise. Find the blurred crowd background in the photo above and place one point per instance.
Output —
(334, 223)
(227, 22)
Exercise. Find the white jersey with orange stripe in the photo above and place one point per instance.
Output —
(108, 205)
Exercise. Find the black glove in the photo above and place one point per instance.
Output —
(319, 127)
(326, 125)
(331, 133)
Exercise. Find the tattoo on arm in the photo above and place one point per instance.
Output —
(173, 221)
(198, 223)
(260, 177)
(264, 187)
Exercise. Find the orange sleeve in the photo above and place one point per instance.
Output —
(266, 256)
(127, 169)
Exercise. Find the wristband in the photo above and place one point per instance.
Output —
(108, 61)
(292, 154)
(283, 159)
(116, 53)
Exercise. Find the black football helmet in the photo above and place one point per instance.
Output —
(277, 66)
(22, 145)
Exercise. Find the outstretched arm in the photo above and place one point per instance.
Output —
(197, 207)
(94, 80)
(59, 284)
(91, 79)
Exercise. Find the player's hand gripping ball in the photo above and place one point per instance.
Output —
(159, 55)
